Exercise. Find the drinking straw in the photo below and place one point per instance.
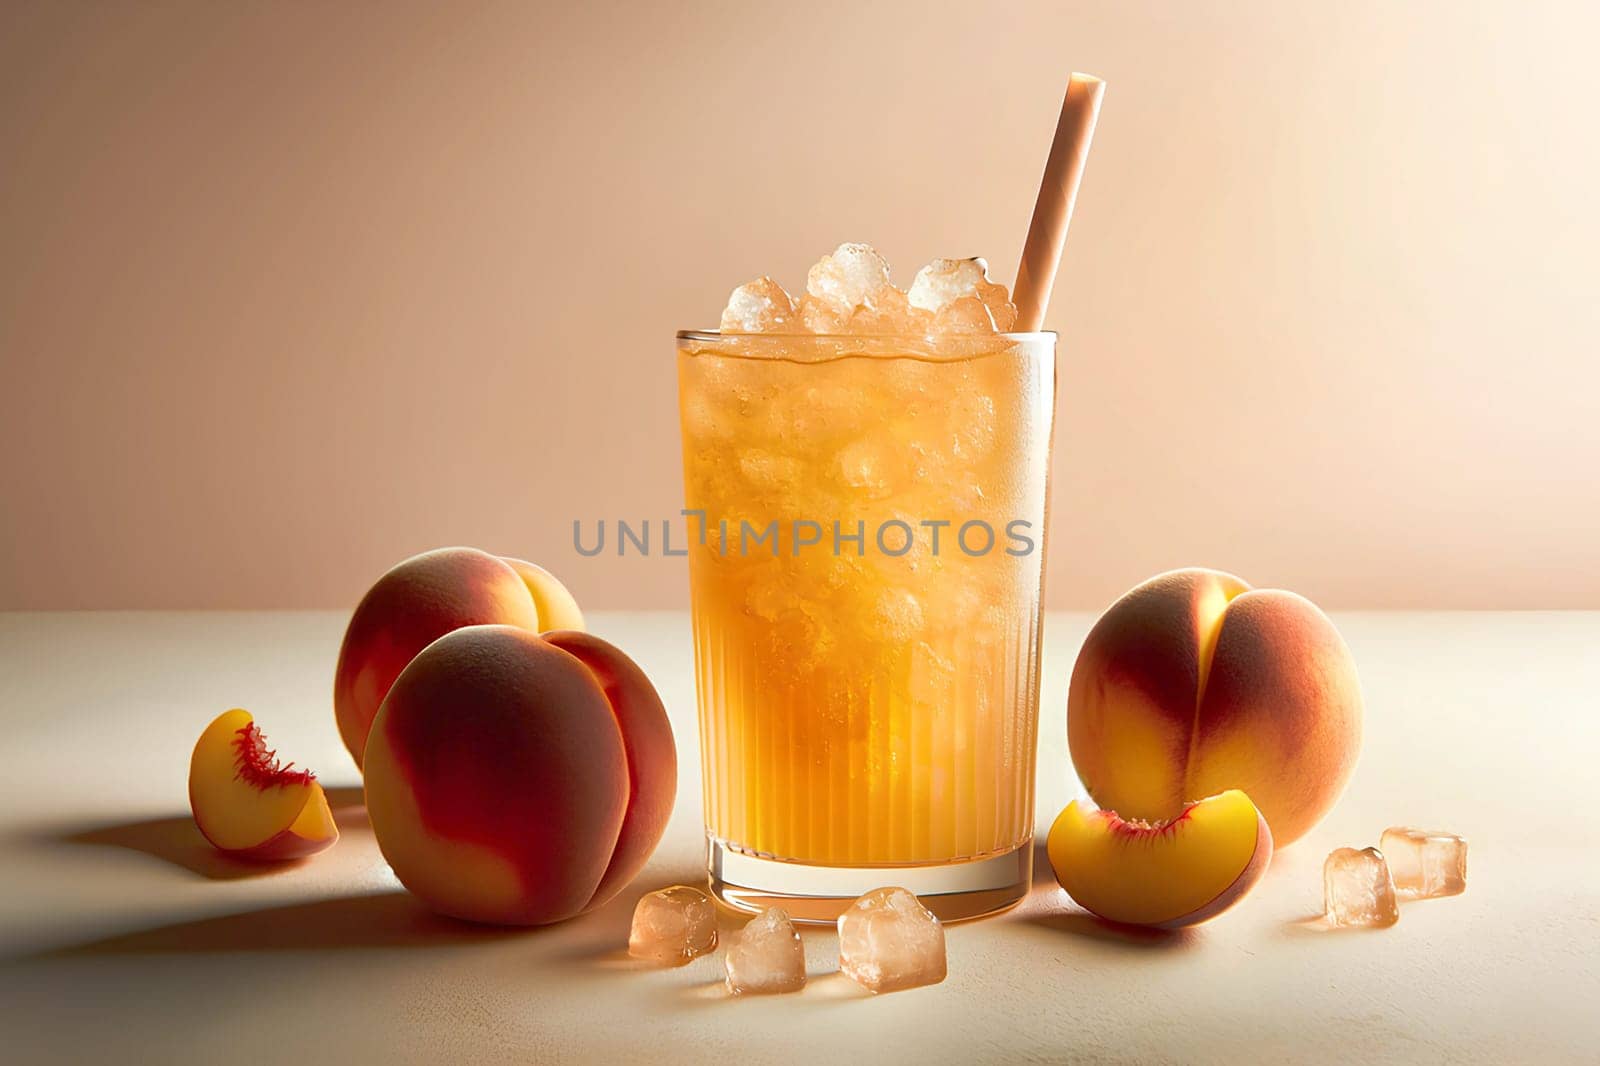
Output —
(1063, 170)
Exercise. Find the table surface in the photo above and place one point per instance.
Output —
(120, 930)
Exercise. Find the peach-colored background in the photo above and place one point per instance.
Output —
(290, 291)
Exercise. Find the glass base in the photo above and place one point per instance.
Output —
(817, 895)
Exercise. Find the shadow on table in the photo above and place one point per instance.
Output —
(178, 840)
(1315, 925)
(1135, 937)
(604, 945)
(821, 986)
(349, 808)
(381, 920)
(1044, 878)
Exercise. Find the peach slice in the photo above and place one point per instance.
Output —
(250, 805)
(1169, 874)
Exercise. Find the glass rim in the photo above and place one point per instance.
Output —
(716, 335)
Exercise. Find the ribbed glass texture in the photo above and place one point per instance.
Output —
(866, 557)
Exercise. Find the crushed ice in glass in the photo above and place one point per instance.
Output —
(849, 291)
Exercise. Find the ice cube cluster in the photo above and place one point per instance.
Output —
(887, 941)
(1364, 887)
(850, 292)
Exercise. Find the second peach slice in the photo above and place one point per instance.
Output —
(1167, 875)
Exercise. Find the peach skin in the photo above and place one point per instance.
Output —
(1166, 875)
(247, 803)
(647, 742)
(419, 601)
(519, 779)
(557, 609)
(1194, 683)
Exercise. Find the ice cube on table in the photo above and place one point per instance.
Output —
(1425, 863)
(759, 306)
(673, 926)
(888, 941)
(1357, 889)
(766, 956)
(848, 278)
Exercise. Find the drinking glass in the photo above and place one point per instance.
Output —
(866, 520)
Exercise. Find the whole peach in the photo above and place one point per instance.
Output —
(422, 599)
(519, 779)
(1195, 683)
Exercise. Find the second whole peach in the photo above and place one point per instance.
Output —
(1194, 683)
